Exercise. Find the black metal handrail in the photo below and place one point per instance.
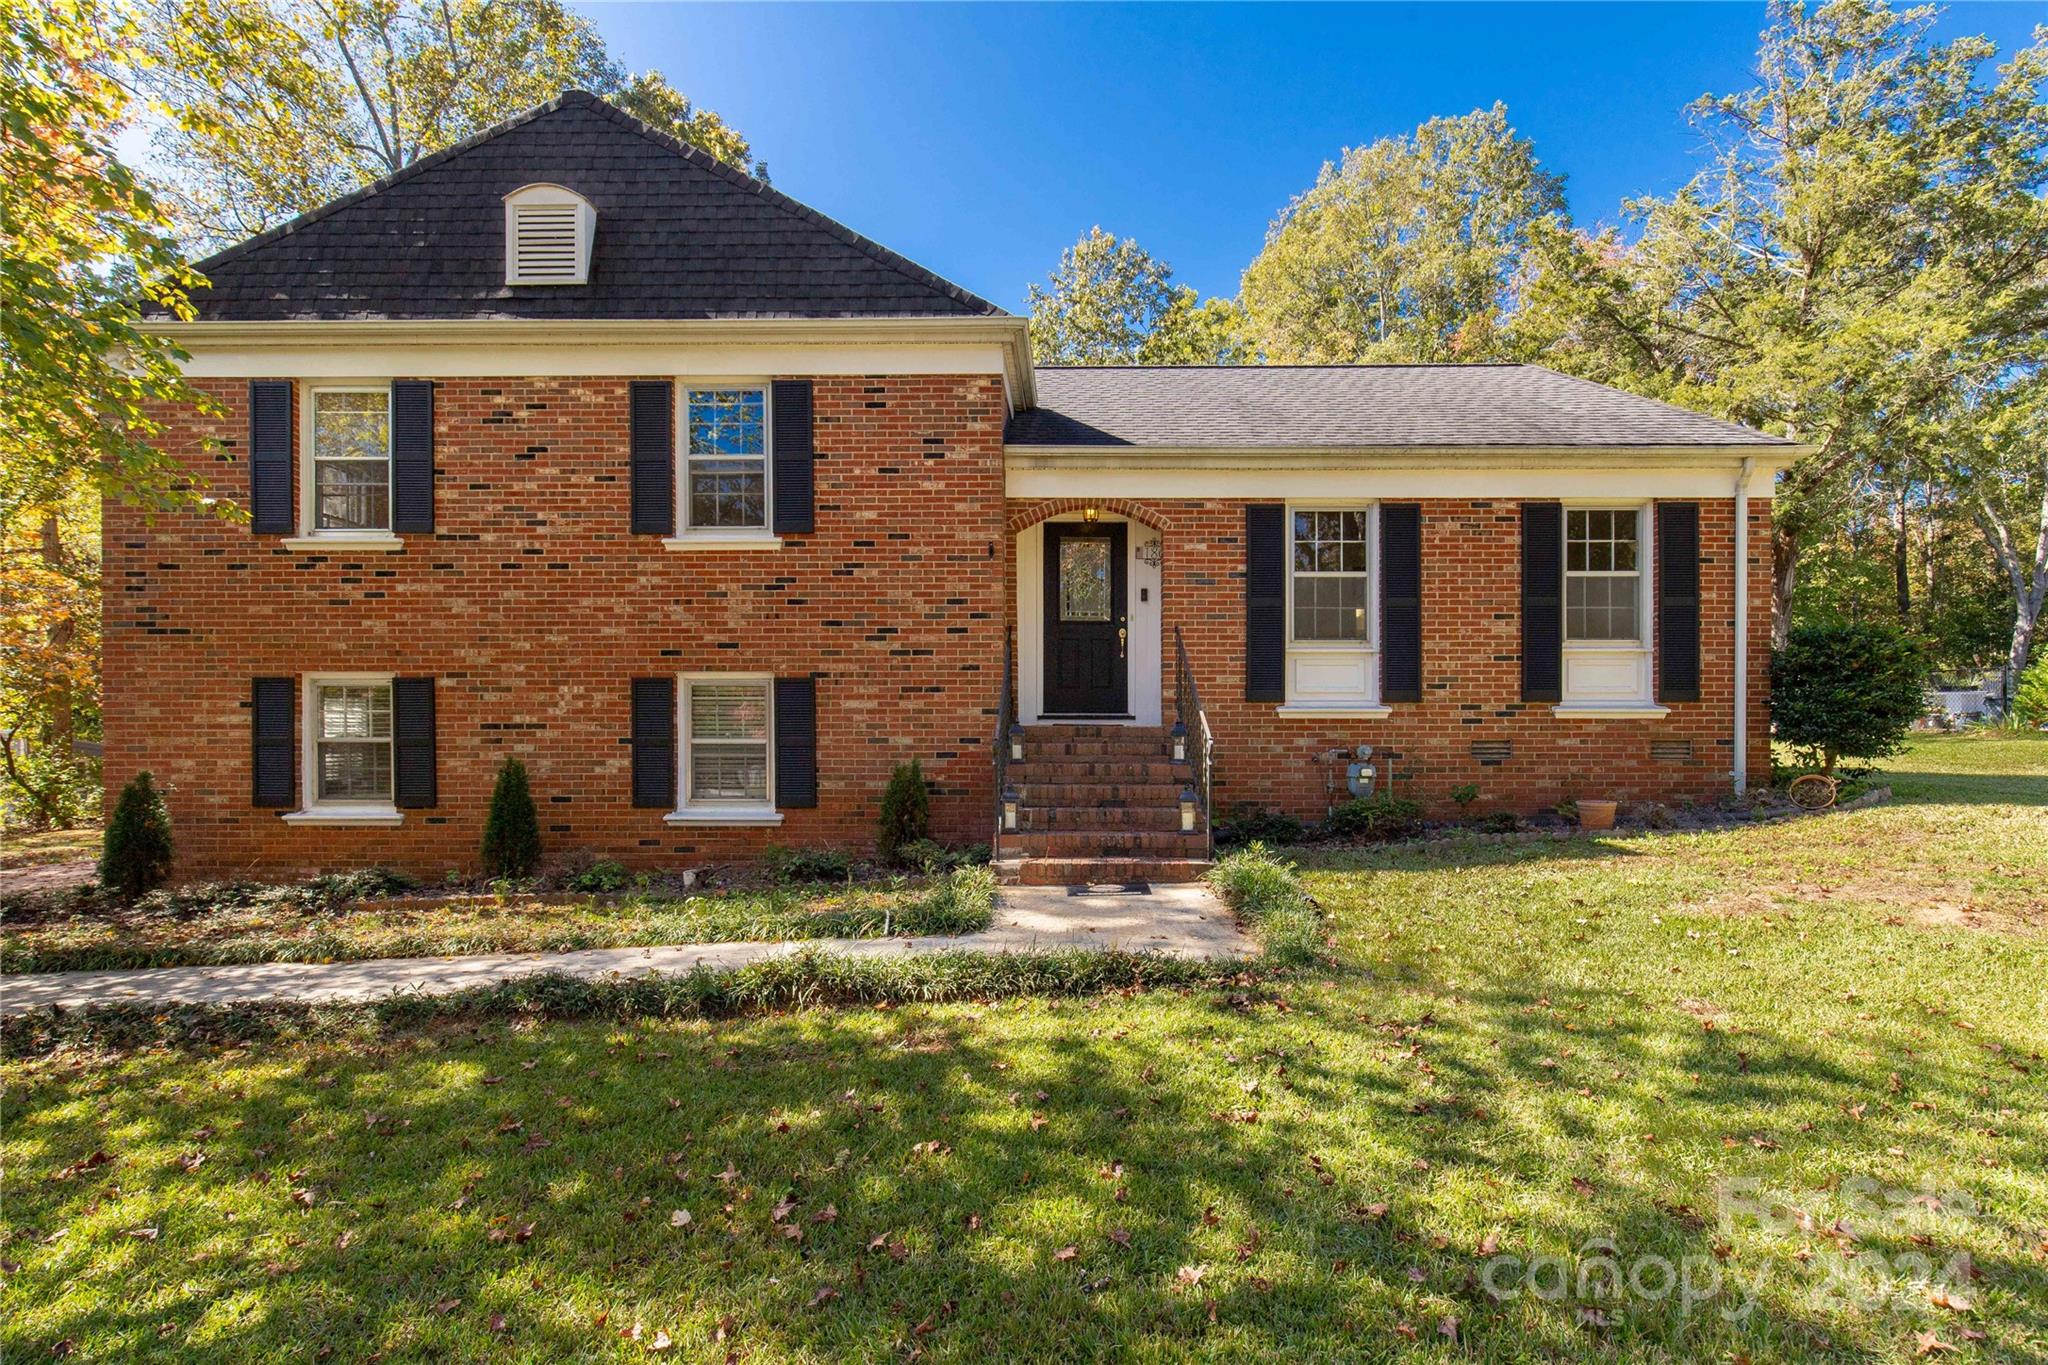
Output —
(1006, 715)
(1192, 734)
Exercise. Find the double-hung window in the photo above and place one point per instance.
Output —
(1331, 660)
(726, 739)
(349, 434)
(351, 742)
(1603, 578)
(725, 459)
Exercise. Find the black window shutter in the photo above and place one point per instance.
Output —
(654, 742)
(1542, 601)
(653, 415)
(412, 456)
(1678, 601)
(796, 743)
(1401, 601)
(1265, 602)
(412, 734)
(793, 453)
(270, 458)
(272, 770)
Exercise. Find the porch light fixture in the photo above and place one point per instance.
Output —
(1010, 799)
(1180, 742)
(1016, 743)
(1187, 810)
(1150, 553)
(1091, 515)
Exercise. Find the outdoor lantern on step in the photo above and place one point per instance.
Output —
(1180, 742)
(1010, 799)
(1016, 743)
(1187, 810)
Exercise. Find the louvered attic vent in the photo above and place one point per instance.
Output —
(548, 234)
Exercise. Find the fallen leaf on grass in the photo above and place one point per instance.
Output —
(446, 1306)
(1066, 1253)
(680, 1219)
(1928, 1344)
(824, 1296)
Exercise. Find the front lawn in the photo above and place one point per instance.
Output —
(247, 924)
(1786, 1082)
(21, 849)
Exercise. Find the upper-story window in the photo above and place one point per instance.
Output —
(548, 235)
(351, 447)
(1330, 574)
(725, 458)
(1603, 580)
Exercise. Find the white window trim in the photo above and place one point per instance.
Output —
(1365, 706)
(688, 537)
(311, 537)
(1640, 703)
(688, 812)
(312, 810)
(546, 193)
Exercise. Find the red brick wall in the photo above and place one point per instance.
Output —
(533, 606)
(1471, 673)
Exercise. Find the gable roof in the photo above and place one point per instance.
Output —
(1461, 407)
(680, 235)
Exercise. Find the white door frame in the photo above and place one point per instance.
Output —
(1142, 664)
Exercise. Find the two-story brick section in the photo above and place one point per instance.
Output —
(573, 444)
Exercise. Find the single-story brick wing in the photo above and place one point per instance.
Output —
(572, 443)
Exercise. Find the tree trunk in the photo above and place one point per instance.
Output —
(1902, 574)
(1784, 577)
(59, 633)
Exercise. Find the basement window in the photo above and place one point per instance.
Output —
(548, 236)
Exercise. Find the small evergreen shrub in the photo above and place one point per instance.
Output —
(809, 864)
(1248, 824)
(136, 855)
(1465, 795)
(512, 829)
(1264, 892)
(1375, 817)
(906, 810)
(1847, 690)
(2030, 693)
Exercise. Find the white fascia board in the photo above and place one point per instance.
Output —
(520, 347)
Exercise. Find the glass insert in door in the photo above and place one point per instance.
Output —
(1084, 580)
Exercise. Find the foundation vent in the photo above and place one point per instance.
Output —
(1491, 753)
(1671, 750)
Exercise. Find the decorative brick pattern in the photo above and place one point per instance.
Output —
(533, 606)
(1471, 679)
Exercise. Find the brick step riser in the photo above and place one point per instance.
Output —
(1155, 733)
(1036, 751)
(1099, 843)
(1098, 770)
(1079, 818)
(1112, 871)
(1118, 795)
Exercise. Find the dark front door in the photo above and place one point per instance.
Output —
(1086, 620)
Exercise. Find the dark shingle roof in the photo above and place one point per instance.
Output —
(1363, 406)
(679, 235)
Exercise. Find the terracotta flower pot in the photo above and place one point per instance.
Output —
(1596, 815)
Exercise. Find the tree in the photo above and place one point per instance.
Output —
(86, 245)
(49, 661)
(1996, 453)
(278, 106)
(1869, 242)
(1111, 302)
(511, 845)
(1407, 249)
(1847, 691)
(136, 853)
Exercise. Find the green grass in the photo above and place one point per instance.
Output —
(19, 849)
(1519, 1048)
(268, 932)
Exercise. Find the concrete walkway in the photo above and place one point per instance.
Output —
(1176, 921)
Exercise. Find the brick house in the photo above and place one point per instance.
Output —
(573, 444)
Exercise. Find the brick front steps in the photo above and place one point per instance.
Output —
(1099, 804)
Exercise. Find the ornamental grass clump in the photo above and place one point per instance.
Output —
(1264, 892)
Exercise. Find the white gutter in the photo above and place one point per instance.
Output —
(1742, 628)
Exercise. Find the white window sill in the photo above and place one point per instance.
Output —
(1610, 711)
(345, 815)
(708, 541)
(1337, 712)
(348, 544)
(730, 815)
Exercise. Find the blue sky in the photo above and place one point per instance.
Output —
(980, 139)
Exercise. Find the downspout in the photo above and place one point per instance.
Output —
(1742, 628)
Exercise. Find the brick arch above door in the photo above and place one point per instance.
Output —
(1142, 513)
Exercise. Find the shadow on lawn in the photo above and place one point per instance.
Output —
(421, 1146)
